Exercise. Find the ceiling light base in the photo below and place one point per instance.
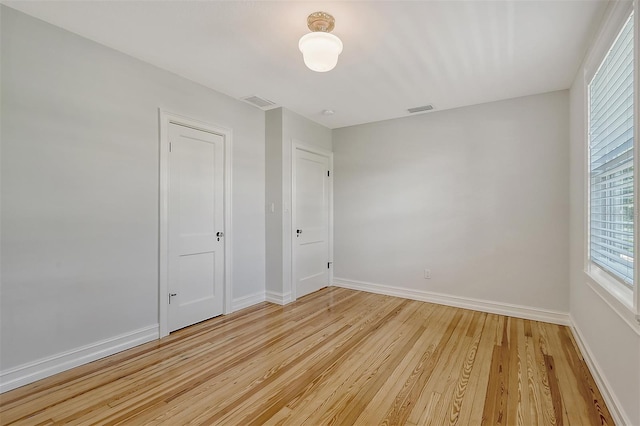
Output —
(321, 21)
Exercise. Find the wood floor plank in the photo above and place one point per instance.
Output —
(381, 359)
(541, 344)
(602, 414)
(325, 360)
(274, 364)
(337, 356)
(535, 392)
(518, 391)
(427, 401)
(337, 391)
(480, 374)
(261, 413)
(441, 379)
(464, 391)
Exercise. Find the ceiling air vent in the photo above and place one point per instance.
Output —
(420, 109)
(259, 102)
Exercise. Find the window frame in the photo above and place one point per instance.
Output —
(611, 288)
(593, 264)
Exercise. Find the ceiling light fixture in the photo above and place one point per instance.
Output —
(320, 49)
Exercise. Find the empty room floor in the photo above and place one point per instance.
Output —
(336, 356)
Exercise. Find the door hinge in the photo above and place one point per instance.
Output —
(329, 265)
(169, 146)
(328, 173)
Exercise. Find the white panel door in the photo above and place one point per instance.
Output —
(311, 226)
(196, 226)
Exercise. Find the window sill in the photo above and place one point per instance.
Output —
(618, 296)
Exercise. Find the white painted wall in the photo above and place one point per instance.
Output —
(80, 188)
(283, 128)
(608, 331)
(273, 195)
(479, 195)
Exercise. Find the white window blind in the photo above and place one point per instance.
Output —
(611, 244)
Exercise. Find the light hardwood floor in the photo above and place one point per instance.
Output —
(334, 357)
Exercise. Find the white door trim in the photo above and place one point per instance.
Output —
(166, 118)
(295, 145)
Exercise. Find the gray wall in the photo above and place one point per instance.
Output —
(79, 183)
(479, 195)
(273, 195)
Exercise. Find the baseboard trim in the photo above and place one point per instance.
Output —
(28, 373)
(613, 404)
(278, 298)
(507, 309)
(248, 300)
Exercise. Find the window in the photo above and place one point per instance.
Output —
(611, 171)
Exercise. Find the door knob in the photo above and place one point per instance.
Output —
(298, 232)
(219, 235)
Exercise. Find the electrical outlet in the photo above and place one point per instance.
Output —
(427, 274)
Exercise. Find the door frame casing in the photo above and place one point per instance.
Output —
(297, 145)
(165, 119)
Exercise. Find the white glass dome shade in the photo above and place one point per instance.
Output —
(320, 50)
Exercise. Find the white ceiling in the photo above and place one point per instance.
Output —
(397, 54)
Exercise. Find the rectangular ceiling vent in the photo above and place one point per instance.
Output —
(420, 109)
(257, 101)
